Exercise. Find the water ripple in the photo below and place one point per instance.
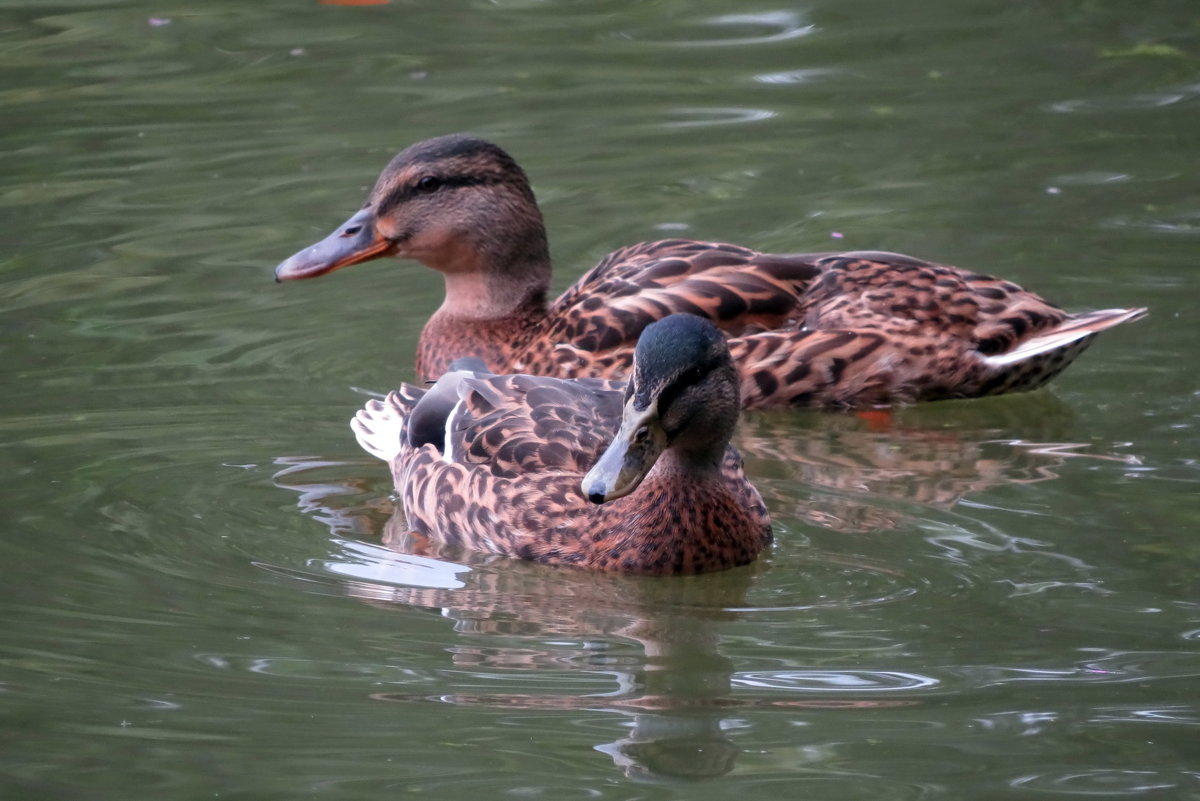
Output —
(1184, 222)
(1113, 668)
(1091, 178)
(738, 30)
(1106, 782)
(1127, 103)
(699, 117)
(372, 564)
(840, 681)
(1176, 715)
(799, 76)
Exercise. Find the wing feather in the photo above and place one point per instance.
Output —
(379, 425)
(520, 424)
(741, 290)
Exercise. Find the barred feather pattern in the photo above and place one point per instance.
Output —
(819, 330)
(509, 482)
(807, 329)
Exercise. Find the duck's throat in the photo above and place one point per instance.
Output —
(481, 318)
(696, 468)
(492, 296)
(685, 518)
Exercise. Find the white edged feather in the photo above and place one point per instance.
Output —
(379, 427)
(1080, 328)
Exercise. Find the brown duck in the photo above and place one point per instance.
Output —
(825, 329)
(637, 478)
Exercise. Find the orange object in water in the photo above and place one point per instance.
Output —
(878, 420)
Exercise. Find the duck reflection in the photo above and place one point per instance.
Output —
(652, 644)
(657, 642)
(881, 470)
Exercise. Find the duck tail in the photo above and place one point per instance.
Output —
(379, 425)
(1040, 358)
(1065, 336)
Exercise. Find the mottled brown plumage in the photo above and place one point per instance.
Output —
(820, 329)
(637, 478)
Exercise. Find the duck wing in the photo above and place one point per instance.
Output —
(882, 328)
(594, 325)
(521, 425)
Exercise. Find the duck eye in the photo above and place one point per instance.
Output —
(429, 183)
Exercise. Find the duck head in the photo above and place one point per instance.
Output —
(682, 396)
(455, 203)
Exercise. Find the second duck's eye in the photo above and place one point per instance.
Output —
(429, 183)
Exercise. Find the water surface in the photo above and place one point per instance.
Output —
(202, 594)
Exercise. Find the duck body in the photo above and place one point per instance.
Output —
(832, 330)
(593, 473)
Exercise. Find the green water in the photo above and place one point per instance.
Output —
(990, 599)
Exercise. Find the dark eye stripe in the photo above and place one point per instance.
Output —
(406, 192)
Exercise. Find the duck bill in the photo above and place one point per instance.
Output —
(628, 458)
(356, 240)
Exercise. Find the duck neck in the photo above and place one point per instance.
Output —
(685, 518)
(490, 276)
(483, 317)
(494, 296)
(695, 466)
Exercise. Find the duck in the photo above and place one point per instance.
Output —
(633, 477)
(846, 330)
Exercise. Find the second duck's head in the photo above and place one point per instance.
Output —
(682, 396)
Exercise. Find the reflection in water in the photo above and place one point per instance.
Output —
(320, 499)
(882, 470)
(657, 643)
(674, 684)
(673, 746)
